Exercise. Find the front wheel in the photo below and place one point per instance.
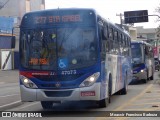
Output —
(145, 80)
(124, 90)
(47, 104)
(104, 102)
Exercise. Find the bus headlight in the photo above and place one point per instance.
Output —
(28, 83)
(143, 70)
(90, 80)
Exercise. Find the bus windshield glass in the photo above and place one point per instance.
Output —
(62, 48)
(137, 55)
(58, 39)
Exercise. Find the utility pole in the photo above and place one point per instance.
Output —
(121, 20)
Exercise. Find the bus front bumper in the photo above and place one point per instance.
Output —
(77, 94)
(140, 76)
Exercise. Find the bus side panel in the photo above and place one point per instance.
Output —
(104, 82)
(126, 70)
(119, 73)
(111, 68)
(129, 70)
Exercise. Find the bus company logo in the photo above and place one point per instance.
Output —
(58, 85)
(6, 114)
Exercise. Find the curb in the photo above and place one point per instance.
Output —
(10, 105)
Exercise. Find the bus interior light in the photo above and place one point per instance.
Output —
(90, 80)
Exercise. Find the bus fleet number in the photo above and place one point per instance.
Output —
(69, 72)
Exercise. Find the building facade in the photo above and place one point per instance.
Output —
(13, 11)
(17, 8)
(149, 34)
(133, 33)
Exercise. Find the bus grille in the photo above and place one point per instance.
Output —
(58, 93)
(63, 86)
(58, 77)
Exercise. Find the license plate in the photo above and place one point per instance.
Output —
(88, 93)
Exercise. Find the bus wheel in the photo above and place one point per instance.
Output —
(152, 77)
(145, 80)
(103, 103)
(47, 104)
(124, 90)
(109, 91)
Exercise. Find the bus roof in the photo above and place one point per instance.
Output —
(59, 16)
(59, 9)
(110, 23)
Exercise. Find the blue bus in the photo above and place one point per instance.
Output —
(72, 55)
(142, 61)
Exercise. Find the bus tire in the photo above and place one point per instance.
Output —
(47, 104)
(152, 77)
(110, 89)
(145, 80)
(124, 90)
(104, 102)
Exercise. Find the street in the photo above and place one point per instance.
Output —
(9, 87)
(140, 97)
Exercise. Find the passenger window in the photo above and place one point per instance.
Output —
(116, 35)
(111, 33)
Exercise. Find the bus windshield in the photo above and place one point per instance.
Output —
(58, 48)
(137, 55)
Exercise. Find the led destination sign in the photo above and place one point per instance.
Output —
(57, 19)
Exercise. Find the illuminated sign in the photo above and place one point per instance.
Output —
(57, 19)
(41, 61)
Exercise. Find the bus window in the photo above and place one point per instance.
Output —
(104, 33)
(111, 33)
(116, 42)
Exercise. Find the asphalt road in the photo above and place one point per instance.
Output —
(140, 97)
(9, 87)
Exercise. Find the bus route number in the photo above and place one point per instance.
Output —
(69, 72)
